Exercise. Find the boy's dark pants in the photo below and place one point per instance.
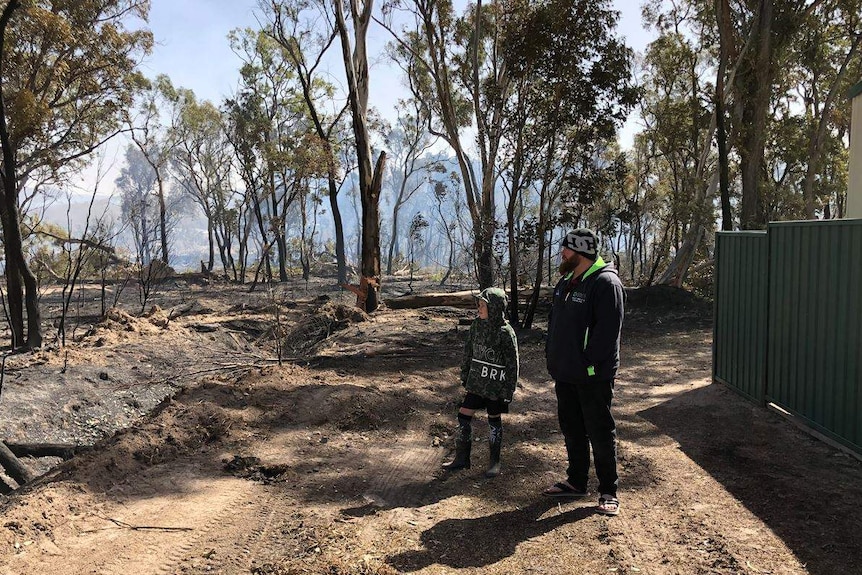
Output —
(584, 412)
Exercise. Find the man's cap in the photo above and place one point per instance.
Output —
(582, 241)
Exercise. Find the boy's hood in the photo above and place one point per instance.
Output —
(496, 300)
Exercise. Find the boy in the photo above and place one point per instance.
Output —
(489, 373)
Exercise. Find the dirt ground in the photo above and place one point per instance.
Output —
(207, 456)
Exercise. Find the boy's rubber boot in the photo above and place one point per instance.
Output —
(462, 455)
(495, 444)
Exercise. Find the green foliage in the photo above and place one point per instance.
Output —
(70, 71)
(579, 69)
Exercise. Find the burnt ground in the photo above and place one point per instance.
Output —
(203, 455)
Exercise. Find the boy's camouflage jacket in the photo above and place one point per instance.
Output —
(490, 366)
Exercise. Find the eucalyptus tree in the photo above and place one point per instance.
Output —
(761, 32)
(677, 111)
(136, 184)
(455, 67)
(780, 67)
(513, 77)
(306, 31)
(409, 143)
(723, 25)
(780, 62)
(828, 60)
(67, 71)
(309, 212)
(645, 216)
(354, 54)
(521, 160)
(414, 239)
(153, 127)
(202, 162)
(572, 87)
(244, 124)
(446, 223)
(268, 129)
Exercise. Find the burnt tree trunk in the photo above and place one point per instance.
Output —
(62, 450)
(370, 181)
(371, 235)
(22, 288)
(13, 466)
(340, 258)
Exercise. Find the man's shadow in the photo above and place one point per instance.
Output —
(462, 543)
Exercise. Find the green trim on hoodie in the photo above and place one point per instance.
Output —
(598, 265)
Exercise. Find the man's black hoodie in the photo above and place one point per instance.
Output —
(584, 326)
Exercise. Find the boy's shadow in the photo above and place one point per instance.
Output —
(463, 543)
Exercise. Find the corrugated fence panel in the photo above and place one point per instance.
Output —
(815, 325)
(739, 342)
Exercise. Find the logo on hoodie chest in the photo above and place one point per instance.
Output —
(485, 353)
(577, 296)
(486, 363)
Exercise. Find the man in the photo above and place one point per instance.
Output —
(583, 355)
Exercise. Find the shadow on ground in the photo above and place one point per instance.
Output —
(807, 492)
(491, 538)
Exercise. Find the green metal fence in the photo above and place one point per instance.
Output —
(788, 321)
(815, 325)
(739, 337)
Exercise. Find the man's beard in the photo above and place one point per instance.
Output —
(568, 265)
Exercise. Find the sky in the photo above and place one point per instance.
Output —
(192, 48)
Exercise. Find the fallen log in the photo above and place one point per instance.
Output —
(460, 299)
(13, 466)
(62, 450)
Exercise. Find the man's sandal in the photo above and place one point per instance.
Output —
(608, 505)
(564, 490)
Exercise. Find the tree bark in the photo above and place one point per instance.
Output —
(340, 258)
(725, 39)
(211, 241)
(393, 239)
(371, 235)
(17, 271)
(754, 89)
(306, 79)
(545, 205)
(370, 182)
(163, 220)
(516, 187)
(277, 228)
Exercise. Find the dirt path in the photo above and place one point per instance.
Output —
(333, 468)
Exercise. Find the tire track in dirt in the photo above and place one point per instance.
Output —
(231, 521)
(404, 475)
(211, 508)
(142, 536)
(240, 543)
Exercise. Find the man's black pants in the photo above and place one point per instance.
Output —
(584, 412)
